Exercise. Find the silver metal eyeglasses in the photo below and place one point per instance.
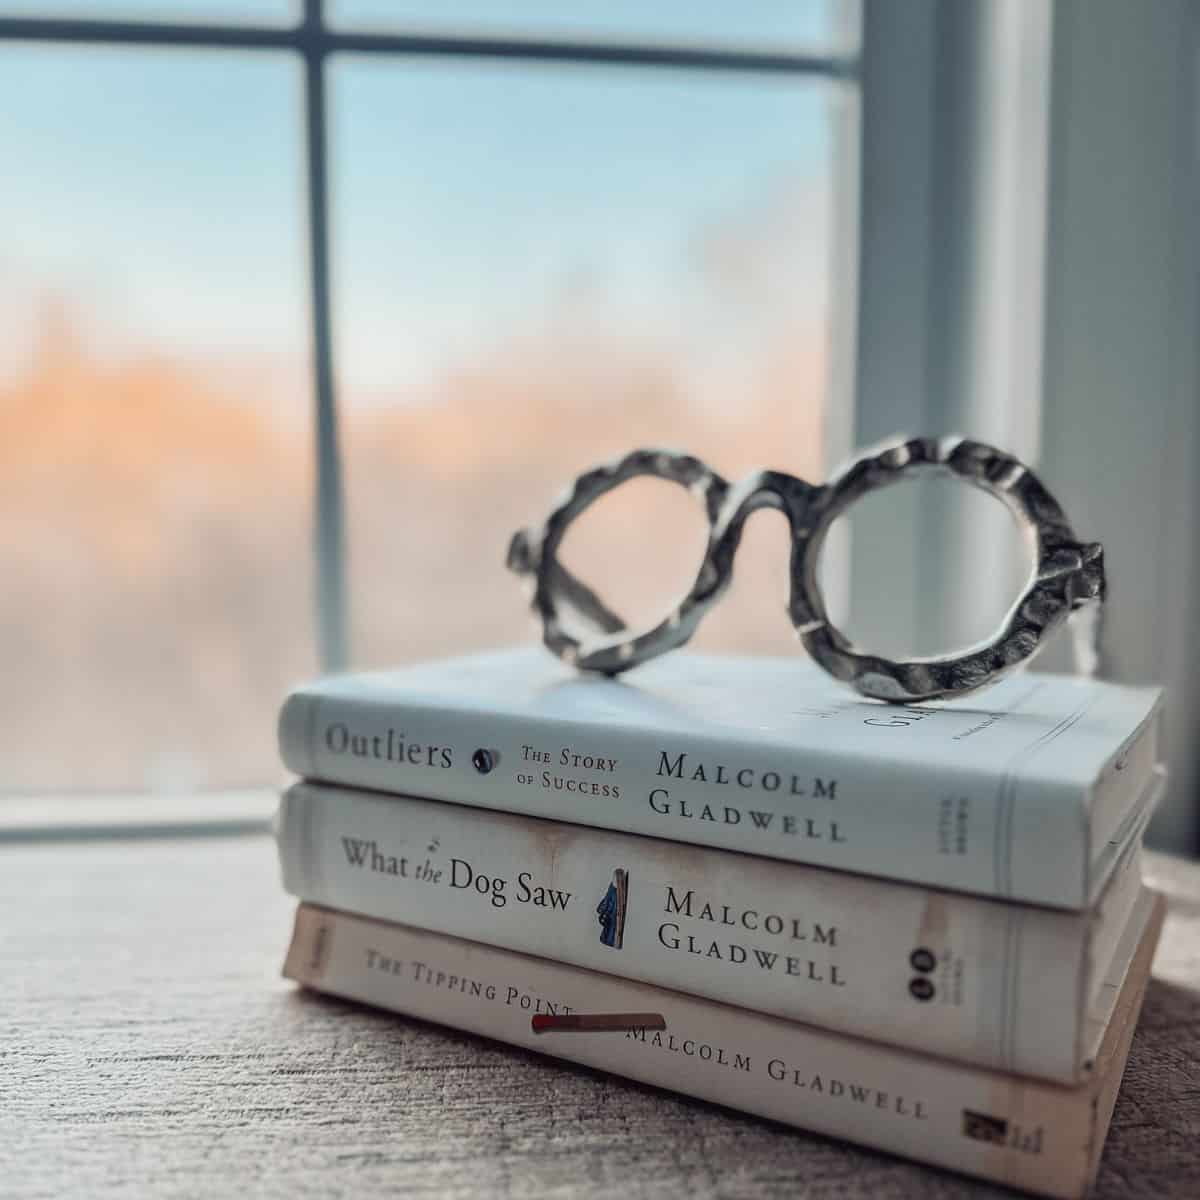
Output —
(579, 628)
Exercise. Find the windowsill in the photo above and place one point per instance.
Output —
(136, 815)
(151, 1048)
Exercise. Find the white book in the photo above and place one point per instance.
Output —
(1023, 1133)
(1003, 985)
(1027, 791)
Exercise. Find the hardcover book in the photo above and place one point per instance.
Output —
(1020, 1132)
(999, 984)
(1028, 793)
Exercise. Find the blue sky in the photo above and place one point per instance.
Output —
(162, 192)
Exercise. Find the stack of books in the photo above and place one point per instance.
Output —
(920, 928)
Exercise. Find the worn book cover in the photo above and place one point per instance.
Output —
(1017, 1131)
(999, 984)
(1028, 792)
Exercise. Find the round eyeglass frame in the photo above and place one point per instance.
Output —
(581, 630)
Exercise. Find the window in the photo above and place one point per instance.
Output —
(155, 407)
(379, 282)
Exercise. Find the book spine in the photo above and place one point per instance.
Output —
(1001, 985)
(895, 818)
(1137, 758)
(1013, 1131)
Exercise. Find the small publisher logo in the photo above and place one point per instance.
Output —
(920, 988)
(922, 960)
(612, 908)
(983, 1128)
(999, 1132)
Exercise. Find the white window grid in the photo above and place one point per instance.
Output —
(314, 40)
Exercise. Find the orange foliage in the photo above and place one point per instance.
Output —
(155, 533)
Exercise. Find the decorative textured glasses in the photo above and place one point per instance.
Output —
(581, 630)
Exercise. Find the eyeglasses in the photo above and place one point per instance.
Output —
(583, 631)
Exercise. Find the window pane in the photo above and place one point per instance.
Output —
(542, 267)
(226, 12)
(814, 25)
(154, 416)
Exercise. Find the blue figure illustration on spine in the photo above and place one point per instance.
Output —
(611, 910)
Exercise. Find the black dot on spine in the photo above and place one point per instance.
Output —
(483, 760)
(921, 988)
(922, 959)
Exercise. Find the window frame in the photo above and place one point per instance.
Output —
(314, 40)
(1121, 420)
(948, 306)
(955, 148)
(1015, 320)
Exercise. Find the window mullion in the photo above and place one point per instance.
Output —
(893, 371)
(333, 639)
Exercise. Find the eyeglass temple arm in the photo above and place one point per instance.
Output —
(1086, 626)
(565, 589)
(1086, 618)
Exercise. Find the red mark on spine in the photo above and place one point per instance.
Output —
(596, 1022)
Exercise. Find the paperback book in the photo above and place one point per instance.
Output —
(1002, 985)
(1030, 794)
(1017, 1131)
